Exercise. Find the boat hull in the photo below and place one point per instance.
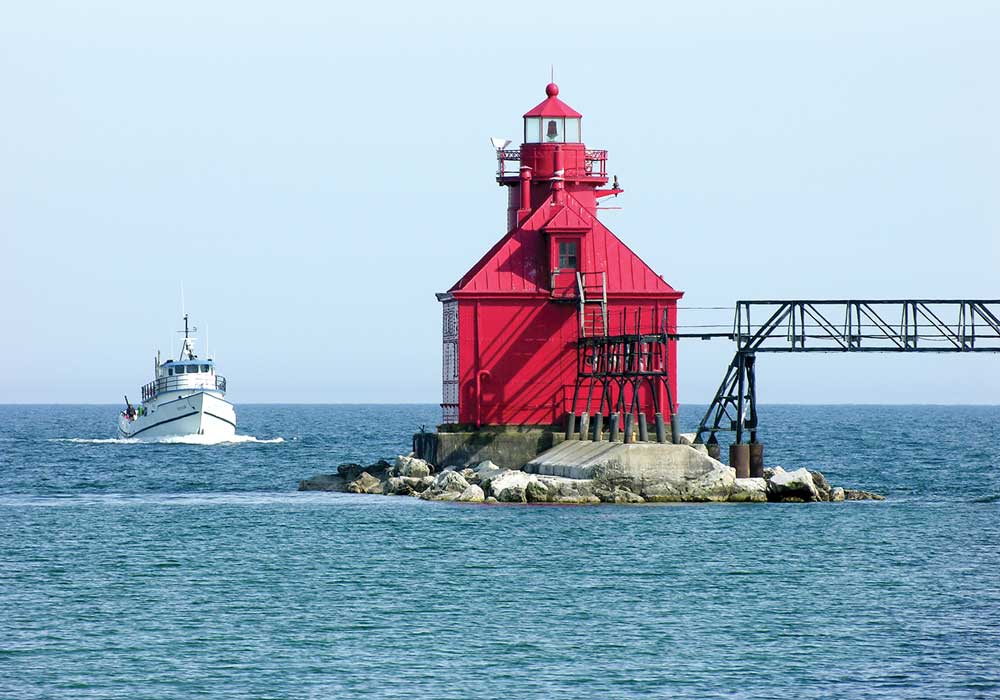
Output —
(200, 413)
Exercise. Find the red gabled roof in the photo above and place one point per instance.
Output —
(565, 219)
(552, 106)
(517, 262)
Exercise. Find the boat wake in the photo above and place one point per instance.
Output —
(175, 440)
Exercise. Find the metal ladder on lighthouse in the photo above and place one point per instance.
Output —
(592, 288)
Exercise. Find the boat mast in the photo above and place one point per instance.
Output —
(187, 346)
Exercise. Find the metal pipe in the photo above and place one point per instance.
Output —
(757, 459)
(714, 451)
(570, 424)
(661, 433)
(629, 418)
(675, 429)
(614, 426)
(739, 458)
(584, 426)
(598, 426)
(525, 193)
(643, 428)
(480, 375)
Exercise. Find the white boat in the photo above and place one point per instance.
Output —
(186, 397)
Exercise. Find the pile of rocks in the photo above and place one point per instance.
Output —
(490, 483)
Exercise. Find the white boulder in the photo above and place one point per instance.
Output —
(753, 490)
(797, 485)
(411, 466)
(472, 494)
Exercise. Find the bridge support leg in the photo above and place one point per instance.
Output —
(584, 426)
(598, 427)
(714, 451)
(661, 432)
(675, 429)
(739, 458)
(570, 424)
(629, 420)
(614, 426)
(756, 459)
(643, 428)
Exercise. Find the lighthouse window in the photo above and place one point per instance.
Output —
(573, 131)
(567, 255)
(532, 130)
(555, 130)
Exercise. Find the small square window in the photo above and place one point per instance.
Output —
(567, 255)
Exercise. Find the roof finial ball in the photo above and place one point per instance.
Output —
(551, 89)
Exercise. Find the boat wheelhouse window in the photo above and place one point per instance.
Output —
(170, 371)
(204, 368)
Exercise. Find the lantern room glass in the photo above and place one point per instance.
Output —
(573, 131)
(532, 130)
(552, 130)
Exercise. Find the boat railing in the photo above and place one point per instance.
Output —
(182, 382)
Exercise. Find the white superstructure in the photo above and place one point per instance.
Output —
(186, 397)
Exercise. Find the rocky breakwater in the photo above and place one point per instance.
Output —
(602, 473)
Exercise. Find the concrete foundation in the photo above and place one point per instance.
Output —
(510, 448)
(657, 472)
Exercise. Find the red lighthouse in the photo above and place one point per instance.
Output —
(515, 324)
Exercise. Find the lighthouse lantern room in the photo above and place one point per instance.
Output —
(559, 317)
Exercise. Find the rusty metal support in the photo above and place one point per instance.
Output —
(714, 451)
(739, 459)
(756, 460)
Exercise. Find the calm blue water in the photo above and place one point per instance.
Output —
(181, 571)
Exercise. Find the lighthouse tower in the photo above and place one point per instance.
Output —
(521, 326)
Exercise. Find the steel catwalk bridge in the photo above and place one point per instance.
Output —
(851, 325)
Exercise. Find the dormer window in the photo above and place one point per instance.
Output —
(567, 255)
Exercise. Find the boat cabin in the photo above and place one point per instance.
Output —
(184, 375)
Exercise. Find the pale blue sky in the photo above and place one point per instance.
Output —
(315, 171)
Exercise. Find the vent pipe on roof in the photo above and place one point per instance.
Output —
(525, 193)
(559, 171)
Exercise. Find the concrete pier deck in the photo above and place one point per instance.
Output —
(585, 459)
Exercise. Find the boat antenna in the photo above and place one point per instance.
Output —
(187, 345)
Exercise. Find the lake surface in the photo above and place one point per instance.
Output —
(137, 570)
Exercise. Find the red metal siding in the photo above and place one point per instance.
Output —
(523, 353)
